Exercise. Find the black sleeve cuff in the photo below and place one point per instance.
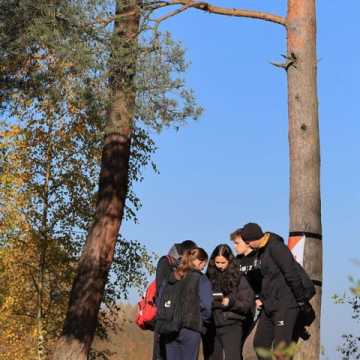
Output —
(231, 301)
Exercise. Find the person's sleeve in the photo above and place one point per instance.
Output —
(163, 271)
(217, 305)
(284, 259)
(205, 294)
(242, 301)
(160, 291)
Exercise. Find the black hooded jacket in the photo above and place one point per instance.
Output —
(241, 305)
(249, 266)
(167, 264)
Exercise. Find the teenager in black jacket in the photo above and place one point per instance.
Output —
(166, 265)
(248, 263)
(188, 293)
(281, 292)
(231, 309)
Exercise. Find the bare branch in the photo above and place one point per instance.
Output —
(105, 22)
(19, 313)
(180, 10)
(186, 4)
(34, 281)
(289, 61)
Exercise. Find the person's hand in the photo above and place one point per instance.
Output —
(302, 306)
(259, 304)
(225, 301)
(307, 314)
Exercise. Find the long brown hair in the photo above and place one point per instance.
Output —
(224, 281)
(187, 259)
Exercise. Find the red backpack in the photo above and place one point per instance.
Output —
(146, 313)
(147, 310)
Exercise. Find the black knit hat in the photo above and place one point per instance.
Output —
(251, 232)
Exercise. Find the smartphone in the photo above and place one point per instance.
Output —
(218, 296)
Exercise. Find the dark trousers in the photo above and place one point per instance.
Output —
(184, 347)
(159, 352)
(228, 342)
(275, 328)
(225, 341)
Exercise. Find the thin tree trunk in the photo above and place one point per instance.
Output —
(43, 246)
(88, 287)
(305, 204)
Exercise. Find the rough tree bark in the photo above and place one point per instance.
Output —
(88, 287)
(305, 203)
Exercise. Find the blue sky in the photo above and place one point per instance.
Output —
(231, 166)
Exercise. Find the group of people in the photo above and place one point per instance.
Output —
(260, 283)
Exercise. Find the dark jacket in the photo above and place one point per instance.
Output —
(241, 305)
(281, 285)
(166, 265)
(249, 266)
(196, 301)
(193, 297)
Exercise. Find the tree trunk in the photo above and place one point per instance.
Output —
(97, 256)
(42, 249)
(305, 203)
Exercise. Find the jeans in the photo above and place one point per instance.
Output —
(185, 346)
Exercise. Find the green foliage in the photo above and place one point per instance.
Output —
(162, 97)
(57, 63)
(281, 352)
(350, 348)
(42, 42)
(355, 288)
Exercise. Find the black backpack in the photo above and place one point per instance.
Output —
(308, 284)
(169, 308)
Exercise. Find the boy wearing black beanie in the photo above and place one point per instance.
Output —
(281, 289)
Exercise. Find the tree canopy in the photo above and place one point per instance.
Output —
(54, 96)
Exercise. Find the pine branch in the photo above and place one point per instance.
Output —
(289, 61)
(219, 11)
(180, 10)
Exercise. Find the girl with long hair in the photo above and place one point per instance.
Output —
(184, 306)
(233, 305)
